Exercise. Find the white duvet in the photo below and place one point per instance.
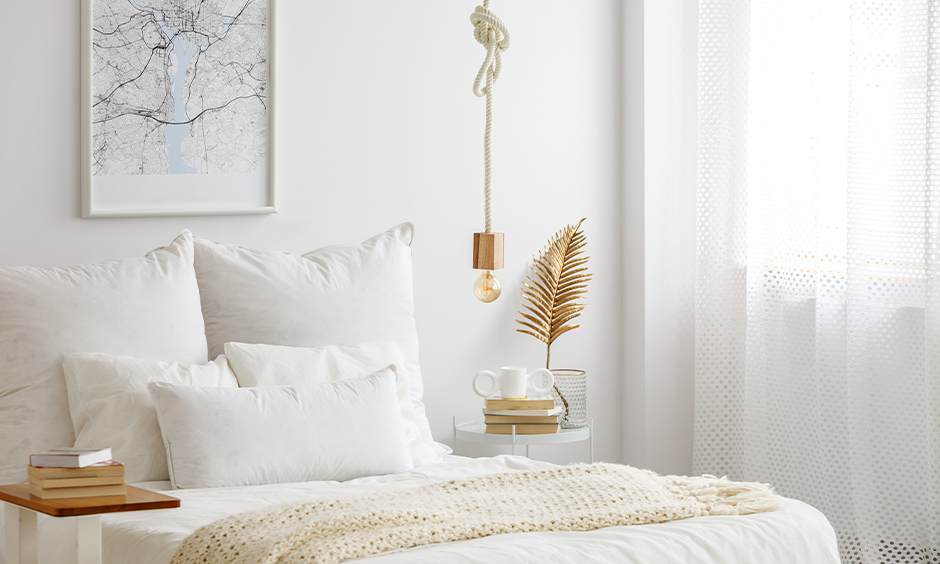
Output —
(796, 534)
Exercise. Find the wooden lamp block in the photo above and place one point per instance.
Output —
(487, 251)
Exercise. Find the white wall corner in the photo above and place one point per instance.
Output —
(660, 142)
(634, 336)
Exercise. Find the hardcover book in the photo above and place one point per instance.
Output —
(527, 403)
(524, 419)
(89, 491)
(76, 482)
(70, 457)
(523, 413)
(523, 429)
(106, 468)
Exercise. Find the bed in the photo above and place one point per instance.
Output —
(75, 367)
(797, 533)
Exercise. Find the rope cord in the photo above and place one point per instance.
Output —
(490, 32)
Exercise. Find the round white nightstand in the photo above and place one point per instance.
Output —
(475, 432)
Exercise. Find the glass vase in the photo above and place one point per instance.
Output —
(570, 394)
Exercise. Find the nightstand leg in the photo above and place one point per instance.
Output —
(89, 539)
(20, 526)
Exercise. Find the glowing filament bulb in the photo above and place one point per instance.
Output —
(487, 287)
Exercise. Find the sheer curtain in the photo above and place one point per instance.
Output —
(817, 272)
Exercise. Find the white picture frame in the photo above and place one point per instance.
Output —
(210, 187)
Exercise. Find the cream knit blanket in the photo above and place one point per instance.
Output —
(567, 498)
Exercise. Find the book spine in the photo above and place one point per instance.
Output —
(80, 482)
(86, 472)
(522, 429)
(522, 419)
(520, 404)
(54, 461)
(57, 460)
(64, 493)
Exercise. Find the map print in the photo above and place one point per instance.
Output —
(179, 86)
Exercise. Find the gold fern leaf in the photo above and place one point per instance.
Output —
(554, 292)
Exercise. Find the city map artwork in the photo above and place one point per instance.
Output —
(177, 107)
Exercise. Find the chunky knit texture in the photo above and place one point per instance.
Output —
(568, 498)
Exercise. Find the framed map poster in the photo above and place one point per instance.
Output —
(177, 115)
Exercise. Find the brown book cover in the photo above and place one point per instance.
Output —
(523, 429)
(534, 403)
(90, 491)
(77, 482)
(110, 468)
(525, 419)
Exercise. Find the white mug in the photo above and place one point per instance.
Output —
(513, 382)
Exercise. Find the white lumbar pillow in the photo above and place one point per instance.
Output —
(111, 405)
(339, 295)
(272, 365)
(145, 307)
(220, 437)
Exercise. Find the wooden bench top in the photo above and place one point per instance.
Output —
(137, 499)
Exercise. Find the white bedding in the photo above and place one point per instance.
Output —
(798, 533)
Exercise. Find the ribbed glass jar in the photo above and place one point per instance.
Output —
(573, 387)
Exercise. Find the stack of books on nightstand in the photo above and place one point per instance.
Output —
(529, 416)
(70, 472)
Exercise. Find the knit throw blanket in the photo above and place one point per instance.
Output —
(567, 498)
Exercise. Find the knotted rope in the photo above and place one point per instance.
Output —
(490, 32)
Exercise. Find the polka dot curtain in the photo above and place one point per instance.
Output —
(818, 267)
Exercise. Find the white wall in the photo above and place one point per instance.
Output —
(633, 389)
(378, 125)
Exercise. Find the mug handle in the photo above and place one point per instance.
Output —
(494, 383)
(549, 380)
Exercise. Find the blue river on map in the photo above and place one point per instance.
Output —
(184, 51)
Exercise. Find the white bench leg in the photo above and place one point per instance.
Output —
(20, 524)
(89, 539)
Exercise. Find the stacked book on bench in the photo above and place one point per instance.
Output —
(69, 472)
(529, 416)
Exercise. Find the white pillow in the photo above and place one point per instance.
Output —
(111, 405)
(144, 307)
(219, 437)
(339, 295)
(272, 365)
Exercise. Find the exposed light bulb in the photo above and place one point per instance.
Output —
(487, 287)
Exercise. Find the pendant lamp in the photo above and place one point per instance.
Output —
(490, 32)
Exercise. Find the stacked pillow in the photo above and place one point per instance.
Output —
(142, 307)
(219, 437)
(339, 295)
(331, 331)
(268, 365)
(111, 405)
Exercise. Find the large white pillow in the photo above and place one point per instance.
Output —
(272, 365)
(144, 307)
(339, 295)
(219, 437)
(111, 405)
